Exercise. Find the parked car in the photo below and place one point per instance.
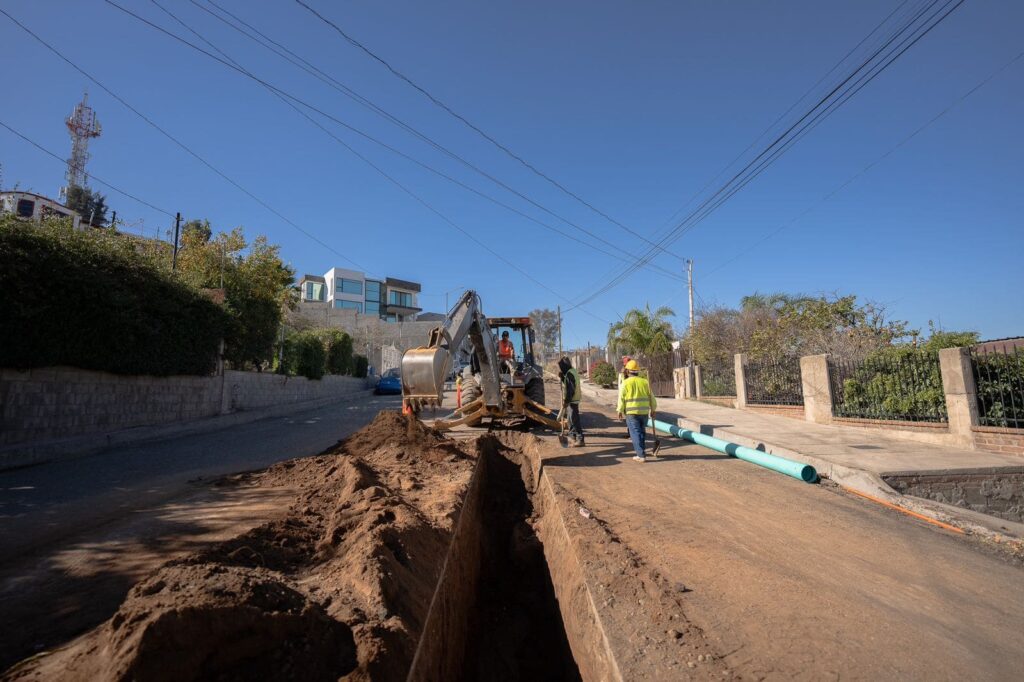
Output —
(390, 382)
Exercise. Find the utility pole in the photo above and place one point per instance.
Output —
(559, 331)
(689, 285)
(177, 228)
(113, 220)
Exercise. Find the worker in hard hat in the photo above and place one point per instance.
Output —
(572, 393)
(636, 404)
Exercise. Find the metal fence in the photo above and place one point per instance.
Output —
(905, 385)
(999, 377)
(718, 379)
(659, 368)
(774, 382)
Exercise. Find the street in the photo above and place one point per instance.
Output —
(797, 580)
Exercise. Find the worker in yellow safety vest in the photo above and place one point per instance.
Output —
(571, 396)
(636, 405)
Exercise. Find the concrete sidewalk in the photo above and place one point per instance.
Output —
(858, 459)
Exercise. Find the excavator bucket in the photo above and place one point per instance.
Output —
(423, 374)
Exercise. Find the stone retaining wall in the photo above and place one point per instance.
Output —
(999, 495)
(62, 402)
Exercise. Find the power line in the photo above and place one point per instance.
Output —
(291, 100)
(871, 165)
(178, 142)
(822, 109)
(91, 175)
(402, 187)
(786, 112)
(477, 129)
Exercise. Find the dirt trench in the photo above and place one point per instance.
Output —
(403, 555)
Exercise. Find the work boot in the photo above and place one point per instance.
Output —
(576, 444)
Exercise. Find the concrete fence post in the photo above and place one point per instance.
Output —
(679, 379)
(961, 394)
(814, 375)
(740, 362)
(698, 382)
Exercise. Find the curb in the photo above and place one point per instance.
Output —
(856, 480)
(31, 454)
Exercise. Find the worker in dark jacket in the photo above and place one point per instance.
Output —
(571, 394)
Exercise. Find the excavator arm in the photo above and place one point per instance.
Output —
(424, 369)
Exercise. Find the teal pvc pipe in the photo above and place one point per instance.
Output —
(798, 470)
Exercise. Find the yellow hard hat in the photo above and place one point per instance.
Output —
(633, 366)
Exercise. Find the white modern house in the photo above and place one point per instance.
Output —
(31, 206)
(390, 299)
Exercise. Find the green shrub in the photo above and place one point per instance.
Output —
(339, 351)
(304, 355)
(603, 374)
(95, 302)
(360, 365)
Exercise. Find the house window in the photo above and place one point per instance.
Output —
(26, 207)
(372, 291)
(350, 286)
(314, 291)
(400, 298)
(349, 305)
(372, 308)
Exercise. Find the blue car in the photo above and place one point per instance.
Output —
(390, 382)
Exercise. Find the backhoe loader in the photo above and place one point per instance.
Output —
(495, 387)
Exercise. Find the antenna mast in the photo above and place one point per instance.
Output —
(82, 126)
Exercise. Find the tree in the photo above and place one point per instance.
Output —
(339, 351)
(779, 325)
(545, 325)
(200, 228)
(642, 332)
(603, 374)
(256, 282)
(92, 206)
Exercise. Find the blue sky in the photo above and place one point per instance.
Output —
(633, 106)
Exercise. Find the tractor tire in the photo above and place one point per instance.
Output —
(470, 391)
(535, 390)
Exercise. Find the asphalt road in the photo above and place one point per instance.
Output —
(44, 503)
(75, 535)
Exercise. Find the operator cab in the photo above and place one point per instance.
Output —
(521, 338)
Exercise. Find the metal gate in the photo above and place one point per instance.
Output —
(390, 358)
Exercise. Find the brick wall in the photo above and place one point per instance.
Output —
(792, 411)
(54, 403)
(1006, 441)
(723, 400)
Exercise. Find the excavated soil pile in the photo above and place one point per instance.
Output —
(338, 586)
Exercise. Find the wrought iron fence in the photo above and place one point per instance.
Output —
(659, 368)
(899, 384)
(774, 382)
(999, 377)
(718, 379)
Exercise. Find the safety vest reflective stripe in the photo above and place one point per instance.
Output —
(636, 397)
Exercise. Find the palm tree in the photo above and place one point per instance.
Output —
(642, 332)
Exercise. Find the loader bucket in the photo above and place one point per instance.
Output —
(423, 373)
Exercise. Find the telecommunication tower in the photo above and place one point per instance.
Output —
(82, 126)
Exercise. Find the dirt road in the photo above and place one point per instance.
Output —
(76, 535)
(797, 580)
